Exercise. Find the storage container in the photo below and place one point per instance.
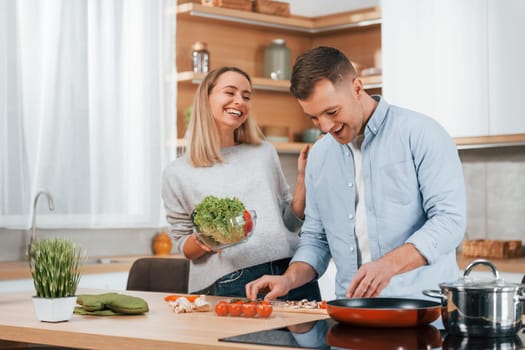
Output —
(277, 60)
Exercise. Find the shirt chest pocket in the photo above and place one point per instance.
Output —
(399, 182)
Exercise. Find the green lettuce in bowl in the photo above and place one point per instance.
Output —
(222, 222)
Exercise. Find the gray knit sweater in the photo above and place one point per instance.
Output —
(254, 175)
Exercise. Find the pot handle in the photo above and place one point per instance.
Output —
(522, 297)
(434, 294)
(481, 262)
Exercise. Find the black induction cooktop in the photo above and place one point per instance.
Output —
(328, 334)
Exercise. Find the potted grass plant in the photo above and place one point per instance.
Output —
(56, 269)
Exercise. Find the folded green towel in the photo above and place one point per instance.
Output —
(118, 304)
(107, 312)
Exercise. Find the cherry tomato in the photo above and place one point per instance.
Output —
(235, 309)
(249, 310)
(264, 310)
(323, 304)
(248, 224)
(221, 308)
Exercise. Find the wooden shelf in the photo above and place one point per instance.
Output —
(351, 19)
(462, 143)
(258, 83)
(281, 147)
(369, 82)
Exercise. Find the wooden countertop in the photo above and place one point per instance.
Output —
(158, 329)
(516, 265)
(10, 270)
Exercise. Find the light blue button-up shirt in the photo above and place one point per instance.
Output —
(414, 190)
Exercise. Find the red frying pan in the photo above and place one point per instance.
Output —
(384, 312)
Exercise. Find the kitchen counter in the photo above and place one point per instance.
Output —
(161, 328)
(12, 270)
(515, 265)
(158, 329)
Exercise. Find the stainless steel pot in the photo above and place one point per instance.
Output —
(480, 307)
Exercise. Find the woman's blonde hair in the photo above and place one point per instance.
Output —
(204, 148)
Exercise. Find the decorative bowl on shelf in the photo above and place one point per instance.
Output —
(238, 230)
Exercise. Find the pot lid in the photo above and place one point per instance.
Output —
(470, 283)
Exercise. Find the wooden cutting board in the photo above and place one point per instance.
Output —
(485, 248)
(281, 307)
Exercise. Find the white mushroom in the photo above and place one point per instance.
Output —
(200, 304)
(181, 305)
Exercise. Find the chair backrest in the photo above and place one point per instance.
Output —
(155, 274)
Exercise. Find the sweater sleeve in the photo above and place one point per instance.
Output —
(178, 218)
(291, 221)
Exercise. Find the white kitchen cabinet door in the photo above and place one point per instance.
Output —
(435, 61)
(506, 48)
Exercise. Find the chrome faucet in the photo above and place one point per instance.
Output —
(33, 223)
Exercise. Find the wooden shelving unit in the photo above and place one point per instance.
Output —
(356, 32)
(341, 21)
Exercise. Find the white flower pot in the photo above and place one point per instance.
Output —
(54, 309)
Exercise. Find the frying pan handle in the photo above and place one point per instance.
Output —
(481, 262)
(434, 294)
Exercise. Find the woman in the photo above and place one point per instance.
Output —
(227, 157)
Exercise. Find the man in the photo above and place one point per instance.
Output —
(385, 191)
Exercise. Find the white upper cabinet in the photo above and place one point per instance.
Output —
(506, 52)
(435, 61)
(316, 8)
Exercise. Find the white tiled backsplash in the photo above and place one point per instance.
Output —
(495, 183)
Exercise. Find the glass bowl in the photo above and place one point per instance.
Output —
(240, 229)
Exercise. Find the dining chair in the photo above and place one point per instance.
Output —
(159, 274)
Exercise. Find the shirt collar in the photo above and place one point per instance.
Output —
(378, 116)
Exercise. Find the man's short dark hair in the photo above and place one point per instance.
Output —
(319, 63)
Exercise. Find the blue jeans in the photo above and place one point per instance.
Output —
(233, 284)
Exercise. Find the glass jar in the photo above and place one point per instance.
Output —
(277, 60)
(200, 57)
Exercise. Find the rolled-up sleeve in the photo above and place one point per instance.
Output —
(291, 221)
(313, 250)
(443, 194)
